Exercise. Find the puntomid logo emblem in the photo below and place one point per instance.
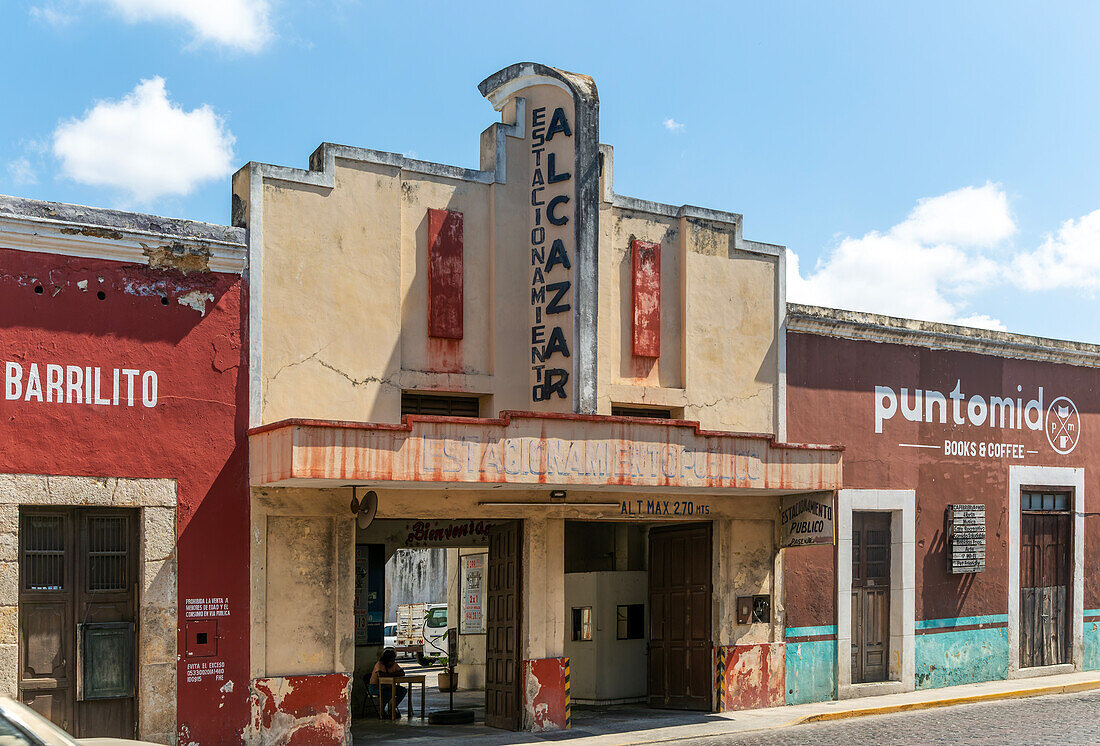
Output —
(1063, 425)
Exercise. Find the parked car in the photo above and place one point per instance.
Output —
(389, 635)
(22, 726)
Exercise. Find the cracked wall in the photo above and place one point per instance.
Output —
(341, 254)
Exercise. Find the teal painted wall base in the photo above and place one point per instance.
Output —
(811, 671)
(949, 657)
(1091, 643)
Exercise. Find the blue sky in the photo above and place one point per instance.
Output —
(936, 160)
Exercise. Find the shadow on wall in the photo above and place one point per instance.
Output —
(947, 598)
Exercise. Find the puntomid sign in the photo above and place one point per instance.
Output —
(1057, 418)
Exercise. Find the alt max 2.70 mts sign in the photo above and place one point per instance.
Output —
(984, 425)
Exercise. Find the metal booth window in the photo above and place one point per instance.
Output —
(582, 623)
(630, 622)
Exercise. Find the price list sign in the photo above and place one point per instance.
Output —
(966, 534)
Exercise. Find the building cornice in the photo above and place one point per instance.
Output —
(76, 230)
(854, 325)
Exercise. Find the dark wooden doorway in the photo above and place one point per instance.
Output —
(870, 596)
(1045, 544)
(502, 604)
(77, 607)
(680, 665)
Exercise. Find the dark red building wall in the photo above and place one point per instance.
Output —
(831, 399)
(195, 433)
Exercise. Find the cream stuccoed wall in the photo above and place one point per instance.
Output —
(338, 275)
(721, 311)
(303, 582)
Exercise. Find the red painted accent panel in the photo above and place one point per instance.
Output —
(306, 710)
(191, 332)
(546, 694)
(754, 677)
(445, 274)
(645, 259)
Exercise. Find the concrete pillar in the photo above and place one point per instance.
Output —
(543, 581)
(723, 572)
(545, 678)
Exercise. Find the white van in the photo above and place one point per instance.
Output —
(435, 635)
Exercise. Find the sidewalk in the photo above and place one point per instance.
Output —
(612, 726)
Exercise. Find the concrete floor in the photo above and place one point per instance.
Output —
(587, 721)
(1069, 717)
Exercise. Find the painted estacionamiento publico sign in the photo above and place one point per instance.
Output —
(807, 520)
(527, 449)
(970, 417)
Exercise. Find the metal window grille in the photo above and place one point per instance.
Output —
(43, 553)
(1046, 502)
(107, 553)
(657, 414)
(445, 405)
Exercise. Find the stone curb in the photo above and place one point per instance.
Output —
(1078, 686)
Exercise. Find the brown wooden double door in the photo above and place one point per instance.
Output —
(502, 626)
(77, 606)
(1045, 543)
(680, 666)
(870, 596)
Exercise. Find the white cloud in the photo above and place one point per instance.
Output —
(145, 144)
(50, 15)
(20, 172)
(1069, 258)
(239, 24)
(982, 321)
(924, 267)
(673, 126)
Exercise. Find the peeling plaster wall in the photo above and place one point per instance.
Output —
(303, 583)
(301, 711)
(751, 676)
(118, 454)
(415, 576)
(546, 705)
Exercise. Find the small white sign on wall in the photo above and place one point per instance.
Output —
(473, 594)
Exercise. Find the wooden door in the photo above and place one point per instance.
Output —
(502, 627)
(870, 596)
(1045, 542)
(680, 661)
(77, 606)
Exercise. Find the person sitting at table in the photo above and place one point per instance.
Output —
(387, 666)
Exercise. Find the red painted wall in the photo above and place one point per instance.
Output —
(831, 399)
(195, 433)
(645, 288)
(444, 274)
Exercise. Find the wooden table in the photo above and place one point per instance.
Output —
(392, 682)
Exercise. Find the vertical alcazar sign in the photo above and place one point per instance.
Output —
(560, 115)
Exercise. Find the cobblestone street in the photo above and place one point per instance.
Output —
(1058, 719)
